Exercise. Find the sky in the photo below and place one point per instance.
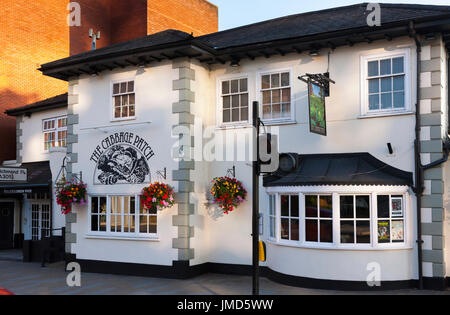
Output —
(234, 13)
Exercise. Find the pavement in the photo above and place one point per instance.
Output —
(30, 279)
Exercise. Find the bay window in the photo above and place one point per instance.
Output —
(376, 220)
(121, 216)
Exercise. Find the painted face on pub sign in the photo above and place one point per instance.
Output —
(122, 159)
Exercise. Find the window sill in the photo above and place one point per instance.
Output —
(123, 238)
(123, 119)
(338, 247)
(386, 114)
(234, 126)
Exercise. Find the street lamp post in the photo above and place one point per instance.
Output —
(255, 210)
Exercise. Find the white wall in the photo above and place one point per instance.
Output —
(154, 98)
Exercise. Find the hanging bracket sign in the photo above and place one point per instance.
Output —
(318, 89)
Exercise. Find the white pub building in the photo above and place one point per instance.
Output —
(368, 195)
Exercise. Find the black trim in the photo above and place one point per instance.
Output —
(182, 270)
(59, 101)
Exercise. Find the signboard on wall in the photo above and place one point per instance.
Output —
(13, 174)
(122, 158)
(317, 112)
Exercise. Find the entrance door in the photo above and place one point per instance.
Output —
(40, 221)
(6, 225)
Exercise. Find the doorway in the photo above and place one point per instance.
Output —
(6, 225)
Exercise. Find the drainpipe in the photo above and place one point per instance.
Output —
(419, 185)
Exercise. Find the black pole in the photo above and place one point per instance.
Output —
(255, 212)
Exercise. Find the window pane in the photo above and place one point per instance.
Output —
(227, 102)
(276, 110)
(94, 223)
(326, 231)
(94, 203)
(384, 232)
(386, 85)
(265, 82)
(326, 206)
(143, 224)
(244, 100)
(362, 207)
(244, 114)
(399, 99)
(276, 96)
(132, 99)
(284, 206)
(234, 86)
(103, 205)
(373, 68)
(131, 86)
(123, 87)
(397, 207)
(226, 116)
(347, 207)
(285, 79)
(363, 232)
(285, 229)
(286, 110)
(374, 86)
(295, 230)
(374, 102)
(294, 207)
(153, 225)
(383, 206)
(267, 111)
(117, 112)
(311, 206)
(243, 85)
(286, 97)
(235, 101)
(103, 223)
(347, 232)
(272, 226)
(385, 67)
(398, 233)
(275, 80)
(267, 97)
(399, 83)
(116, 88)
(225, 87)
(235, 115)
(398, 65)
(131, 111)
(386, 100)
(311, 231)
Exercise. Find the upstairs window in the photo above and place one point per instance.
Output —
(385, 83)
(276, 96)
(124, 100)
(234, 95)
(55, 132)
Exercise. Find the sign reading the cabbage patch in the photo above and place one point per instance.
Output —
(317, 114)
(122, 158)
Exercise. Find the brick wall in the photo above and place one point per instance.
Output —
(31, 33)
(192, 16)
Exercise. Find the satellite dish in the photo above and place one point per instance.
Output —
(288, 162)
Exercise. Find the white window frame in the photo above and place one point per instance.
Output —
(279, 217)
(111, 97)
(259, 89)
(219, 107)
(336, 192)
(304, 218)
(136, 235)
(364, 60)
(55, 130)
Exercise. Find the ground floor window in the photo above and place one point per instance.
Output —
(372, 220)
(122, 215)
(40, 221)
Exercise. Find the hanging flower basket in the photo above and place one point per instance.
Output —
(69, 194)
(227, 193)
(158, 196)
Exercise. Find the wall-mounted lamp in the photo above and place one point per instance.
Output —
(234, 63)
(314, 53)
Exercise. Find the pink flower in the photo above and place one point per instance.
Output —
(154, 200)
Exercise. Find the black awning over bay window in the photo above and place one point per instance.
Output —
(339, 169)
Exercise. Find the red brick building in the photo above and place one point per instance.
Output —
(36, 32)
